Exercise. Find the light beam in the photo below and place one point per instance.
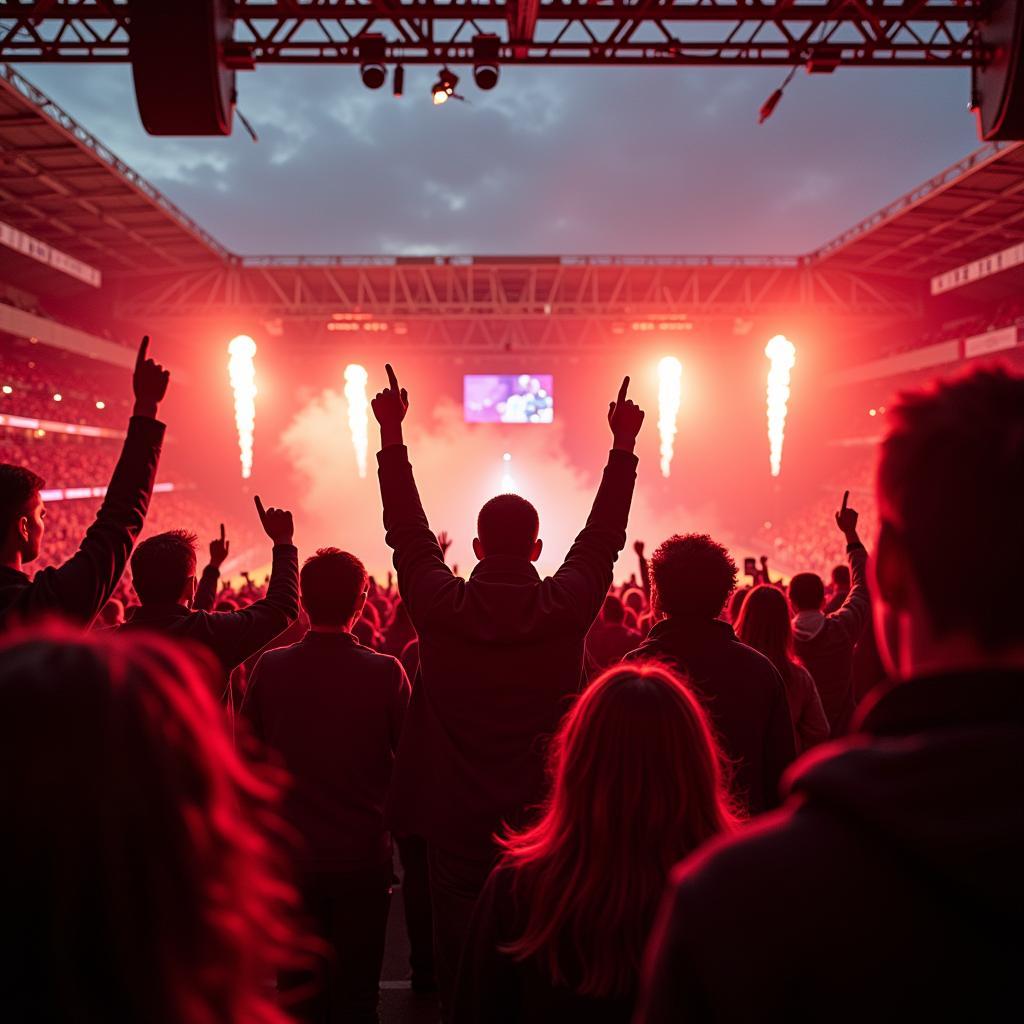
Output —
(670, 373)
(242, 372)
(781, 353)
(358, 416)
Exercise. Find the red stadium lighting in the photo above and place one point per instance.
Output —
(101, 405)
(58, 397)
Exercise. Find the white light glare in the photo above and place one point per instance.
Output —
(781, 352)
(670, 374)
(242, 373)
(358, 416)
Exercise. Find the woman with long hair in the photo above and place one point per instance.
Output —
(559, 930)
(139, 878)
(764, 625)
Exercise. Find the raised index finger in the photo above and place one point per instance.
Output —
(143, 349)
(846, 498)
(222, 533)
(622, 391)
(259, 508)
(392, 379)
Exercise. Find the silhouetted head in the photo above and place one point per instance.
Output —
(691, 574)
(806, 592)
(736, 603)
(613, 611)
(164, 568)
(112, 613)
(633, 597)
(333, 586)
(22, 512)
(137, 877)
(636, 786)
(841, 577)
(764, 624)
(950, 550)
(508, 525)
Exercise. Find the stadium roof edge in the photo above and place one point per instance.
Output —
(15, 84)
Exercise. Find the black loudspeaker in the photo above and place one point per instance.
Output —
(182, 85)
(998, 83)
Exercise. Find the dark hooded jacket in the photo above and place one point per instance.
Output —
(888, 887)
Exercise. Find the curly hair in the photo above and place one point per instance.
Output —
(691, 574)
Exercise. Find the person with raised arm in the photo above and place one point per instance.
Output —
(78, 589)
(501, 659)
(164, 574)
(825, 643)
(206, 591)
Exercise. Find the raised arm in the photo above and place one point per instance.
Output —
(239, 635)
(206, 592)
(645, 569)
(855, 611)
(586, 573)
(82, 586)
(419, 560)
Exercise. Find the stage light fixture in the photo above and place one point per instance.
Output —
(398, 81)
(444, 88)
(371, 52)
(485, 55)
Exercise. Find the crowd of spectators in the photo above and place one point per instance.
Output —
(591, 787)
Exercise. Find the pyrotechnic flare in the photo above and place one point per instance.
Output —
(670, 373)
(782, 354)
(358, 417)
(242, 371)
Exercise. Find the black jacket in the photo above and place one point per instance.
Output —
(743, 694)
(501, 657)
(494, 988)
(233, 636)
(889, 887)
(333, 710)
(79, 588)
(825, 644)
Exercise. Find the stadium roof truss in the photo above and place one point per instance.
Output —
(60, 184)
(592, 32)
(63, 186)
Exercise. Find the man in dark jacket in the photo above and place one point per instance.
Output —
(333, 711)
(889, 886)
(825, 643)
(691, 579)
(501, 657)
(79, 588)
(164, 575)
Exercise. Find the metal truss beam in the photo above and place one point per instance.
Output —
(863, 33)
(471, 304)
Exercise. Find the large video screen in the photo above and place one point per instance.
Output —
(508, 398)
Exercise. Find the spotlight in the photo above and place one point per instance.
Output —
(58, 397)
(101, 405)
(398, 82)
(444, 88)
(485, 54)
(371, 53)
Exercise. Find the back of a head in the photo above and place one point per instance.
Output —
(112, 613)
(508, 525)
(636, 786)
(633, 598)
(132, 833)
(736, 603)
(331, 583)
(691, 575)
(162, 565)
(951, 495)
(806, 592)
(841, 577)
(613, 611)
(764, 625)
(18, 485)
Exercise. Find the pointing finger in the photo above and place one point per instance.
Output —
(846, 498)
(143, 349)
(622, 390)
(260, 509)
(222, 533)
(392, 379)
